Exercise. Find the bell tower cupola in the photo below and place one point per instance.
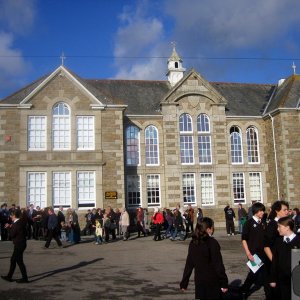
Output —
(175, 69)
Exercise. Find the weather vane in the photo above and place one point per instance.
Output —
(294, 68)
(62, 57)
(173, 44)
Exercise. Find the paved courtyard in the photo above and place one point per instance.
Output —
(136, 269)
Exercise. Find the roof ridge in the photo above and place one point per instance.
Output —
(241, 83)
(136, 80)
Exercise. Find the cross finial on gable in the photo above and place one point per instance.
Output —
(294, 68)
(62, 57)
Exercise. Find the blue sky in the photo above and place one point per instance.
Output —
(224, 40)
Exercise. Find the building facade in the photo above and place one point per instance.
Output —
(81, 143)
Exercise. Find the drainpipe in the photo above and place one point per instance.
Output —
(275, 156)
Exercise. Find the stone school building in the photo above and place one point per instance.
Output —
(82, 143)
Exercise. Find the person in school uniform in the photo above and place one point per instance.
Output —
(252, 242)
(279, 210)
(204, 256)
(281, 262)
(17, 232)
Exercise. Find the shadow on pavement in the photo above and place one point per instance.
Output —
(54, 272)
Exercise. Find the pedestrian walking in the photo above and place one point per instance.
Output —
(52, 229)
(17, 232)
(204, 256)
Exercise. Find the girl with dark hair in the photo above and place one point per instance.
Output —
(204, 255)
(281, 262)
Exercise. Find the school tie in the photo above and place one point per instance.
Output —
(258, 221)
(287, 240)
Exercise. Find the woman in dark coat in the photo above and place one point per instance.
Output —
(205, 257)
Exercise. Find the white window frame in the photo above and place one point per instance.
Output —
(255, 188)
(203, 123)
(188, 190)
(61, 127)
(36, 189)
(132, 136)
(252, 146)
(204, 139)
(134, 186)
(153, 186)
(186, 150)
(86, 189)
(204, 149)
(61, 189)
(185, 123)
(207, 189)
(37, 133)
(236, 147)
(152, 146)
(238, 188)
(85, 132)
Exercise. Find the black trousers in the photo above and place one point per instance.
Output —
(205, 292)
(157, 235)
(258, 279)
(17, 258)
(52, 234)
(229, 226)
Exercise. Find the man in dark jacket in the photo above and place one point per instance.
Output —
(52, 229)
(17, 232)
(229, 218)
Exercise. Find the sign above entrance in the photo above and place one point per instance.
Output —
(111, 195)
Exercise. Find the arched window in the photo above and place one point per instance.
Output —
(252, 145)
(203, 123)
(151, 144)
(236, 145)
(186, 139)
(204, 139)
(132, 146)
(185, 123)
(61, 136)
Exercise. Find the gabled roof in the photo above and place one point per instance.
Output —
(286, 95)
(144, 97)
(21, 94)
(204, 87)
(26, 94)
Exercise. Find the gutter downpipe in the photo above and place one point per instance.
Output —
(275, 156)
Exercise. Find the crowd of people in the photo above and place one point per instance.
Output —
(267, 239)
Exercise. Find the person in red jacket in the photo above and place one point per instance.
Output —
(158, 220)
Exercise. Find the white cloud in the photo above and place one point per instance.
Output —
(139, 36)
(204, 28)
(232, 24)
(11, 61)
(17, 16)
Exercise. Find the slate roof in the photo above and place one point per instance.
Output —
(244, 99)
(143, 97)
(287, 94)
(18, 96)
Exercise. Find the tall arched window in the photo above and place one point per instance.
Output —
(151, 143)
(61, 136)
(132, 146)
(204, 139)
(252, 145)
(236, 145)
(186, 139)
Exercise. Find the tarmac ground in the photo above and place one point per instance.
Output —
(139, 268)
